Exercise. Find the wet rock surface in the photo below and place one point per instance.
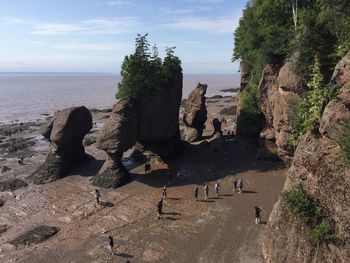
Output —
(195, 113)
(11, 185)
(35, 235)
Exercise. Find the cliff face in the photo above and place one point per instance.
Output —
(318, 167)
(279, 90)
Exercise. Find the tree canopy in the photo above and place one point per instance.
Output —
(272, 30)
(144, 72)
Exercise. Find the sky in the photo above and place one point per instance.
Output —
(96, 35)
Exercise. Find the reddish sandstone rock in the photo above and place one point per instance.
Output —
(65, 132)
(195, 113)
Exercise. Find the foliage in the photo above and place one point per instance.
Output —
(343, 140)
(309, 109)
(144, 72)
(267, 34)
(310, 213)
(250, 105)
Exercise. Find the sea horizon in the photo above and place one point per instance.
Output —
(31, 96)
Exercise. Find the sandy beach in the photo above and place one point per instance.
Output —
(220, 229)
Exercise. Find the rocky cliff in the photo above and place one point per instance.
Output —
(279, 91)
(321, 169)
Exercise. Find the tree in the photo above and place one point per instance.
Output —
(144, 72)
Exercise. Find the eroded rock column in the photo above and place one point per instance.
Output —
(195, 114)
(65, 132)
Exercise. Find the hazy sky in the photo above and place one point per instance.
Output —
(95, 35)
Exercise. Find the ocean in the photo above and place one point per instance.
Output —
(31, 97)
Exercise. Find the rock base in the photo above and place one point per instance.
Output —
(112, 175)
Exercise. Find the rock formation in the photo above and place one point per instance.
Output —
(318, 167)
(279, 90)
(152, 121)
(117, 135)
(195, 113)
(65, 132)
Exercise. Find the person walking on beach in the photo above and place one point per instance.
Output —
(164, 192)
(217, 188)
(234, 185)
(178, 176)
(206, 191)
(240, 185)
(97, 196)
(257, 214)
(160, 208)
(196, 193)
(111, 244)
(147, 168)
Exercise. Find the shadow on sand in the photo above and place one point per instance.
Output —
(233, 157)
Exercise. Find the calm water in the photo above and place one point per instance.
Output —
(27, 97)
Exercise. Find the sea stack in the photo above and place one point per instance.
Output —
(195, 113)
(152, 121)
(65, 132)
(117, 136)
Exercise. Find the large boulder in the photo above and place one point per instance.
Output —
(195, 113)
(117, 135)
(319, 169)
(65, 132)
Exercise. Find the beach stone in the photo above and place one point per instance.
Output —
(11, 185)
(65, 132)
(35, 235)
(3, 229)
(5, 169)
(195, 113)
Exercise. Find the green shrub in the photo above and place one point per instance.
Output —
(310, 107)
(311, 214)
(343, 140)
(322, 232)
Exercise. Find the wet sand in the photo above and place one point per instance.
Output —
(219, 230)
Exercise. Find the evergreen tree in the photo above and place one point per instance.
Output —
(144, 72)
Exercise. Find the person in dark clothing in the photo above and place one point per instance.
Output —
(97, 196)
(160, 208)
(257, 214)
(235, 185)
(111, 244)
(196, 193)
(147, 168)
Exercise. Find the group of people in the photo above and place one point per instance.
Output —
(238, 185)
